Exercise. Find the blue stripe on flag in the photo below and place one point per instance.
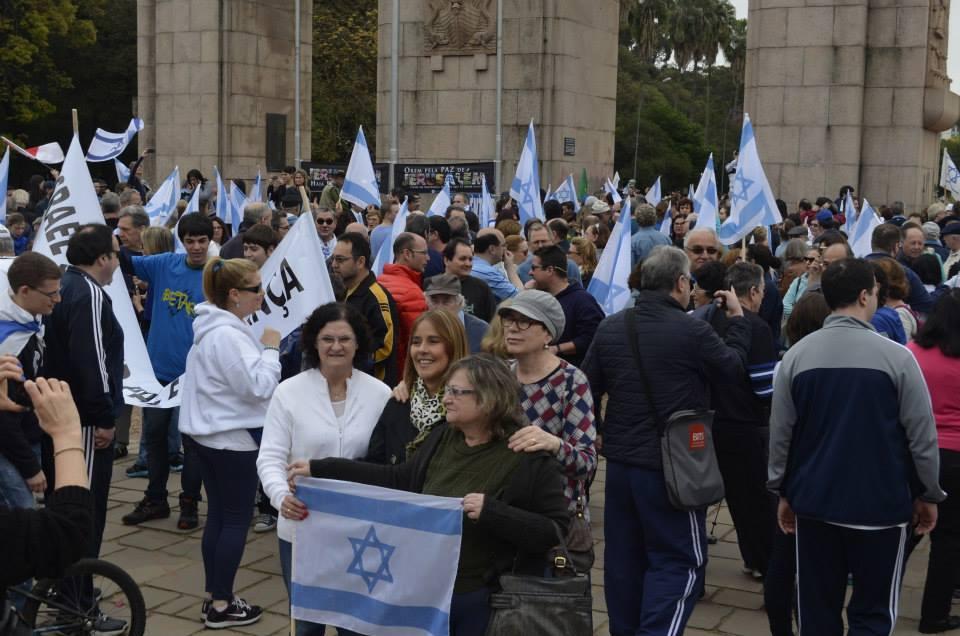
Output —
(352, 189)
(394, 513)
(323, 599)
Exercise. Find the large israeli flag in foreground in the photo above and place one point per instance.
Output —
(525, 188)
(360, 183)
(752, 203)
(374, 560)
(609, 283)
(108, 145)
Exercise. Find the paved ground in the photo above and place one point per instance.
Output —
(167, 564)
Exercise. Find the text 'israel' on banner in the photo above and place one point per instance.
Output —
(374, 560)
(295, 282)
(73, 204)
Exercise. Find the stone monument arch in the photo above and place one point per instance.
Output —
(850, 92)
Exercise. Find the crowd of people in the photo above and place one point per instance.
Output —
(479, 366)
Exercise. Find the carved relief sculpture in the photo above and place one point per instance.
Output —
(460, 26)
(937, 45)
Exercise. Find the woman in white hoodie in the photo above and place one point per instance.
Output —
(329, 410)
(230, 378)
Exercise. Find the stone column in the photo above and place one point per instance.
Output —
(560, 69)
(210, 72)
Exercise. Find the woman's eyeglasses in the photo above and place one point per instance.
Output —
(457, 392)
(254, 289)
(520, 322)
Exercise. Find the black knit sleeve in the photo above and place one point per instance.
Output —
(41, 543)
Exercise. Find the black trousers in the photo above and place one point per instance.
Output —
(742, 455)
(826, 553)
(779, 584)
(944, 564)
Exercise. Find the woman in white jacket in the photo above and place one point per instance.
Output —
(328, 410)
(229, 379)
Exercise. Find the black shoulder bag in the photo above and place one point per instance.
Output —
(687, 452)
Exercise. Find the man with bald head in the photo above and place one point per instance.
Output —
(701, 246)
(489, 250)
(358, 228)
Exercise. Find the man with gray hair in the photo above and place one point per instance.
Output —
(253, 213)
(655, 554)
(648, 236)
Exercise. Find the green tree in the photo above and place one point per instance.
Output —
(30, 33)
(344, 76)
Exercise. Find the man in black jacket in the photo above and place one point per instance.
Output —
(34, 292)
(655, 554)
(84, 343)
(742, 405)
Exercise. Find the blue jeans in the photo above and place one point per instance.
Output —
(231, 481)
(14, 492)
(304, 628)
(173, 444)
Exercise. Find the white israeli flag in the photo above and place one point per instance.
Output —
(567, 192)
(123, 172)
(4, 179)
(108, 145)
(525, 188)
(223, 198)
(193, 206)
(705, 201)
(612, 191)
(385, 255)
(862, 233)
(255, 193)
(442, 201)
(667, 224)
(949, 176)
(237, 200)
(487, 209)
(609, 283)
(849, 214)
(653, 195)
(374, 560)
(752, 203)
(360, 183)
(163, 203)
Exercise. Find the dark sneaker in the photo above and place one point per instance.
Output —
(265, 523)
(189, 518)
(205, 609)
(106, 626)
(176, 463)
(137, 470)
(119, 451)
(239, 612)
(147, 510)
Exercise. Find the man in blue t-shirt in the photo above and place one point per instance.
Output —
(176, 280)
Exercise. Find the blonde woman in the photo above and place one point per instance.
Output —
(584, 254)
(229, 379)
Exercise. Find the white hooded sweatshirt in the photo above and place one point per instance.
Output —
(228, 382)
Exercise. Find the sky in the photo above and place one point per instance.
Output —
(953, 51)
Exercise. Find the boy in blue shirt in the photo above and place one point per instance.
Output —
(176, 281)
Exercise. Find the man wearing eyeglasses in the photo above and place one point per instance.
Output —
(84, 347)
(34, 291)
(326, 223)
(701, 245)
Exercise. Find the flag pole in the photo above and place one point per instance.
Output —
(76, 124)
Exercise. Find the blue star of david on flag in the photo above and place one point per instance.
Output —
(953, 175)
(357, 566)
(741, 187)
